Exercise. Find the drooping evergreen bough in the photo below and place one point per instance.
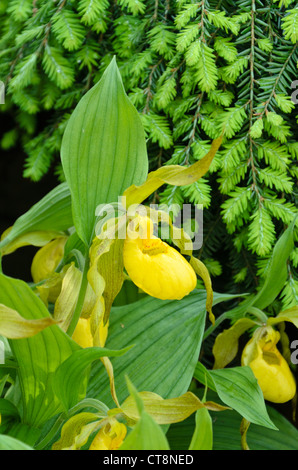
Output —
(193, 70)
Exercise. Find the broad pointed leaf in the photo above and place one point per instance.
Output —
(167, 338)
(202, 438)
(226, 434)
(237, 387)
(39, 356)
(51, 213)
(68, 380)
(103, 149)
(11, 443)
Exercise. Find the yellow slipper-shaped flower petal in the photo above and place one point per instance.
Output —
(82, 333)
(270, 368)
(110, 437)
(155, 267)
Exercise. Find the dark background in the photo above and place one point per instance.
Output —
(17, 195)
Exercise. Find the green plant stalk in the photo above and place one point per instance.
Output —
(102, 409)
(81, 298)
(217, 322)
(259, 314)
(55, 428)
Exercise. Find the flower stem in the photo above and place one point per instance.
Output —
(217, 322)
(258, 313)
(81, 298)
(55, 428)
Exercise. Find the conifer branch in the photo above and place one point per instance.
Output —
(193, 70)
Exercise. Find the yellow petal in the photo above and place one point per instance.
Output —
(269, 366)
(47, 259)
(99, 327)
(82, 333)
(95, 279)
(85, 333)
(163, 411)
(49, 290)
(76, 431)
(157, 268)
(203, 272)
(226, 344)
(67, 299)
(14, 326)
(38, 238)
(110, 267)
(110, 436)
(171, 174)
(288, 315)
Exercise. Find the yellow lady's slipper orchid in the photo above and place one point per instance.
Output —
(90, 332)
(47, 259)
(82, 333)
(269, 366)
(154, 266)
(110, 437)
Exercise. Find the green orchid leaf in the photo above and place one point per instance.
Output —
(11, 443)
(39, 238)
(202, 438)
(51, 214)
(69, 380)
(37, 357)
(7, 408)
(276, 274)
(22, 432)
(166, 356)
(135, 399)
(238, 388)
(146, 434)
(289, 315)
(103, 150)
(226, 432)
(227, 436)
(277, 271)
(276, 277)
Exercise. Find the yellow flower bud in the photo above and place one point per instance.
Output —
(155, 267)
(110, 437)
(269, 366)
(47, 259)
(82, 333)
